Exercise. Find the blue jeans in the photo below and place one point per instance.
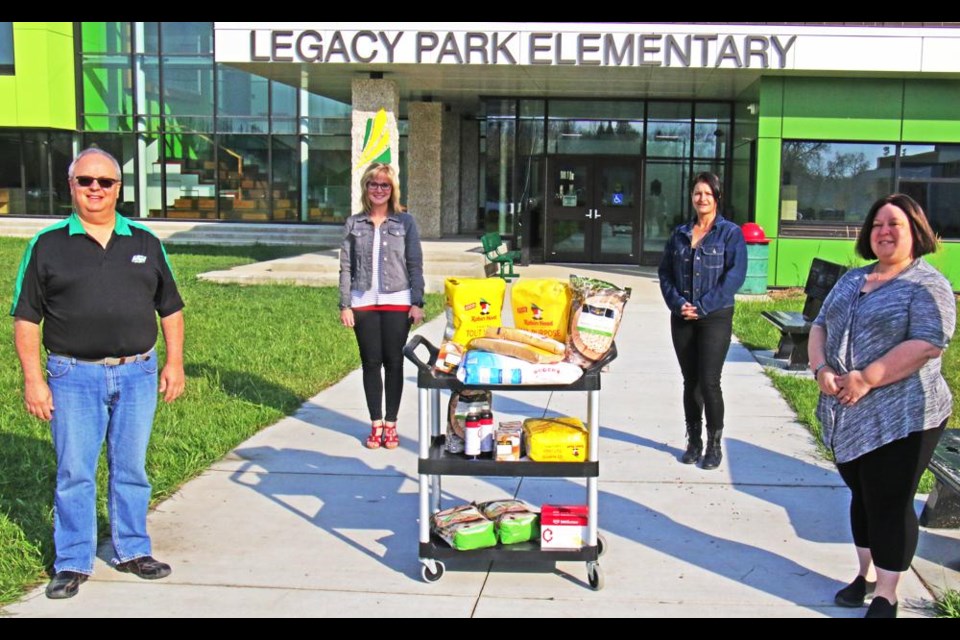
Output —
(92, 402)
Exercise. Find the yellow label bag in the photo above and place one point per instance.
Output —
(555, 439)
(542, 306)
(474, 304)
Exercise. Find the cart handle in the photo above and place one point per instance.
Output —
(409, 352)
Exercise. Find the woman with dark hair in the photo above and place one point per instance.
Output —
(381, 294)
(875, 352)
(703, 266)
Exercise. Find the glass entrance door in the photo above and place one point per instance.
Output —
(665, 205)
(593, 211)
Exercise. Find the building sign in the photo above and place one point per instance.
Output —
(516, 48)
(594, 44)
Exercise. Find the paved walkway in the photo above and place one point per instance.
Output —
(301, 520)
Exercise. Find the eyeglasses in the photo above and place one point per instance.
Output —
(379, 186)
(105, 183)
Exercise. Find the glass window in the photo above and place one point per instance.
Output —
(148, 37)
(328, 179)
(190, 172)
(285, 180)
(105, 37)
(497, 191)
(284, 100)
(669, 129)
(711, 130)
(11, 179)
(187, 86)
(244, 170)
(188, 38)
(241, 93)
(827, 187)
(931, 175)
(6, 48)
(107, 84)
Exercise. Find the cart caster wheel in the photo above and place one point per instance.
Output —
(601, 545)
(431, 576)
(594, 576)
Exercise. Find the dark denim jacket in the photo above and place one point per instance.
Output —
(401, 257)
(708, 276)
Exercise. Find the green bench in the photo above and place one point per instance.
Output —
(942, 510)
(499, 256)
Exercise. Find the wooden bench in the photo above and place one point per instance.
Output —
(795, 326)
(942, 509)
(496, 252)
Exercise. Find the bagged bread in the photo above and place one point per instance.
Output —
(595, 318)
(464, 528)
(483, 368)
(474, 304)
(525, 352)
(555, 439)
(542, 306)
(528, 337)
(515, 521)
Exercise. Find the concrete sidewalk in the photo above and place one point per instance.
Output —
(302, 520)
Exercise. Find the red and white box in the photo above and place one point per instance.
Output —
(563, 526)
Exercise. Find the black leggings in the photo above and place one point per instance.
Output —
(381, 336)
(883, 483)
(701, 347)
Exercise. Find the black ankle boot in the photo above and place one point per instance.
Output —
(694, 445)
(713, 455)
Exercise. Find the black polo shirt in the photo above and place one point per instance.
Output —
(95, 302)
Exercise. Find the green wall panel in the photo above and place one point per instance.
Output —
(794, 256)
(767, 211)
(42, 92)
(771, 108)
(842, 108)
(931, 111)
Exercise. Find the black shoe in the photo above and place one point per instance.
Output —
(713, 455)
(65, 584)
(694, 445)
(146, 567)
(880, 607)
(853, 594)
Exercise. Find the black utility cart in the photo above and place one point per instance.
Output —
(435, 461)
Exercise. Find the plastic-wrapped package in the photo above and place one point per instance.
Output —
(474, 304)
(515, 520)
(595, 317)
(482, 368)
(464, 528)
(541, 305)
(555, 439)
(520, 350)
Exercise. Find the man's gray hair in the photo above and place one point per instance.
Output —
(94, 151)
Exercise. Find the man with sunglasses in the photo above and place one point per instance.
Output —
(97, 281)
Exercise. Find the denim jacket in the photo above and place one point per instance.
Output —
(401, 257)
(708, 276)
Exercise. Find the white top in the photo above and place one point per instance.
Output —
(374, 296)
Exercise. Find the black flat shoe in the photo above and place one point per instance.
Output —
(880, 607)
(854, 593)
(65, 584)
(145, 567)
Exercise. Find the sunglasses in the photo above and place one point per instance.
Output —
(379, 186)
(105, 183)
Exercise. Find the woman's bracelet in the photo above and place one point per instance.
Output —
(820, 367)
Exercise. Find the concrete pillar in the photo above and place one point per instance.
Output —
(450, 154)
(369, 97)
(469, 175)
(425, 166)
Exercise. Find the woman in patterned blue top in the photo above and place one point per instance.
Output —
(875, 351)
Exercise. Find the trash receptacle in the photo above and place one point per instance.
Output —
(758, 256)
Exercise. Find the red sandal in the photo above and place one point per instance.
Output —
(390, 438)
(376, 434)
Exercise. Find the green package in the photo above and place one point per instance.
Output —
(518, 527)
(464, 528)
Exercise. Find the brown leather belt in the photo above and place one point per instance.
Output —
(110, 362)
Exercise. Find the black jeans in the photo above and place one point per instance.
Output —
(883, 483)
(701, 347)
(381, 336)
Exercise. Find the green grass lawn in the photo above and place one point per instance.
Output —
(253, 356)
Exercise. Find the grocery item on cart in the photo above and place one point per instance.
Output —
(542, 306)
(525, 352)
(594, 320)
(461, 404)
(562, 439)
(489, 369)
(464, 528)
(515, 520)
(528, 337)
(474, 304)
(508, 438)
(449, 358)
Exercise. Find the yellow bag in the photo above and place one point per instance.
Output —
(555, 439)
(474, 304)
(542, 306)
